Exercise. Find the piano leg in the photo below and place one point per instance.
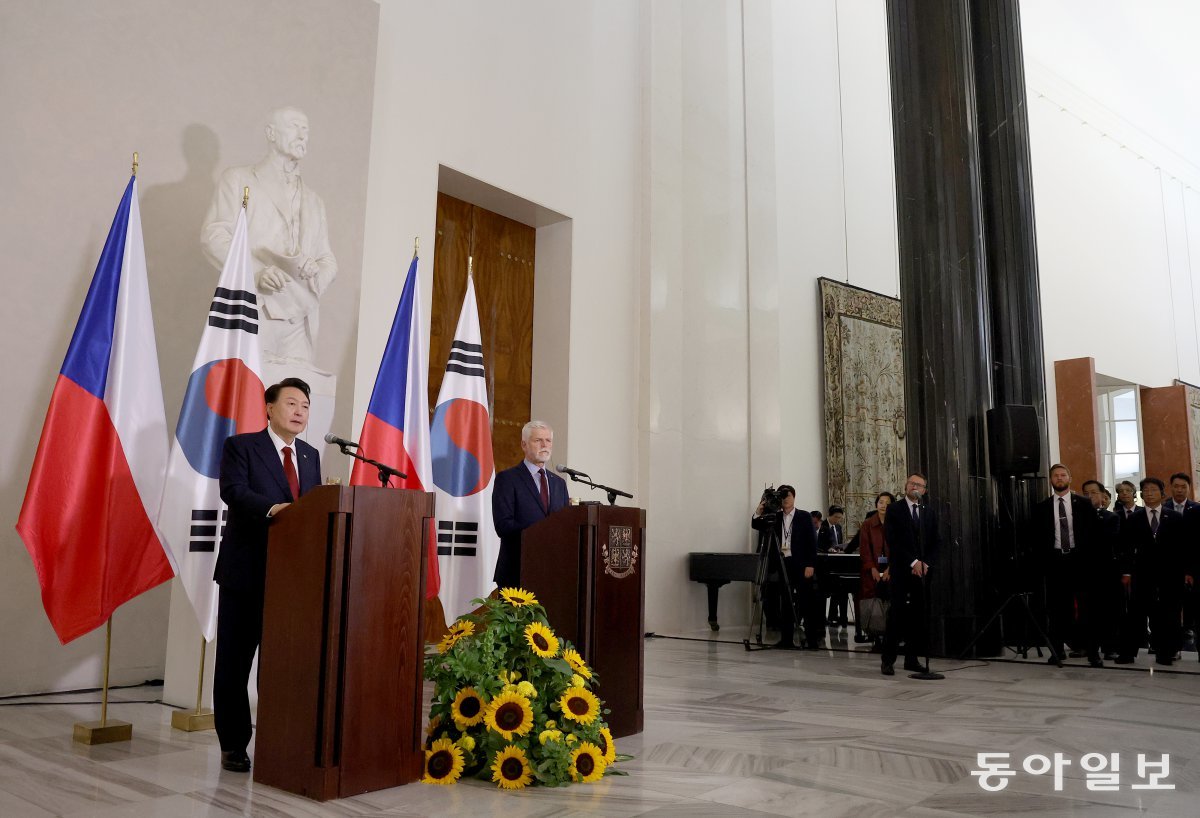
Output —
(713, 588)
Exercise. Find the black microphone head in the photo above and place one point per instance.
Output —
(332, 438)
(561, 468)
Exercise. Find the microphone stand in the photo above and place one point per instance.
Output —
(386, 473)
(613, 493)
(925, 675)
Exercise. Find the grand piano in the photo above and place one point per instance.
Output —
(836, 573)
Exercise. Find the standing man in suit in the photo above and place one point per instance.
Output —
(1109, 597)
(1181, 494)
(1153, 542)
(911, 531)
(262, 473)
(1126, 500)
(798, 547)
(1064, 534)
(1182, 502)
(831, 538)
(523, 495)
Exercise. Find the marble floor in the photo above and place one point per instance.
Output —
(728, 733)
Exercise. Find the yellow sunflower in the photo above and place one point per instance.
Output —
(463, 627)
(587, 763)
(467, 708)
(579, 704)
(518, 597)
(542, 640)
(434, 724)
(511, 769)
(443, 762)
(607, 747)
(450, 640)
(509, 714)
(576, 662)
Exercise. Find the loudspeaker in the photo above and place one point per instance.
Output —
(1014, 440)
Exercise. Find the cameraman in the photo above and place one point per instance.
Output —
(798, 545)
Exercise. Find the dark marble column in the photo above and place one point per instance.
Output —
(1007, 187)
(943, 293)
(968, 280)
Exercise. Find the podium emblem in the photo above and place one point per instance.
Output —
(619, 553)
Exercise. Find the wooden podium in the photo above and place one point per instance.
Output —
(340, 667)
(586, 564)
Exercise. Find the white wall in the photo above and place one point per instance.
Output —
(1118, 230)
(757, 188)
(705, 194)
(189, 86)
(543, 100)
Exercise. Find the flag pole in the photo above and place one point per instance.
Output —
(416, 245)
(201, 718)
(135, 163)
(245, 196)
(470, 266)
(104, 731)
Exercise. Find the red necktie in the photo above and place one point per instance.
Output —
(545, 491)
(289, 471)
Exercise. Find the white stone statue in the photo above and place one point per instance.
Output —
(289, 239)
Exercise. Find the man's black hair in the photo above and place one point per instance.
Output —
(272, 393)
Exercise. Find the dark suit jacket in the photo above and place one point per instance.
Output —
(1084, 523)
(829, 535)
(1108, 535)
(1154, 559)
(251, 482)
(803, 539)
(1188, 505)
(906, 543)
(1119, 510)
(516, 505)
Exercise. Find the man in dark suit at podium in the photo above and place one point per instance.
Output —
(523, 495)
(911, 531)
(261, 474)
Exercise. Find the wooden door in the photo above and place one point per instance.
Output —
(503, 252)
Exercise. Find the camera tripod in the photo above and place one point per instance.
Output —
(769, 549)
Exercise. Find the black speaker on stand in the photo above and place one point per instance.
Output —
(1015, 455)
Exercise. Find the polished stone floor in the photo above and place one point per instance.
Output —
(728, 733)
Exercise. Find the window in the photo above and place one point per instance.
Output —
(1120, 434)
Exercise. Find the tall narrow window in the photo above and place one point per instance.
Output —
(1120, 434)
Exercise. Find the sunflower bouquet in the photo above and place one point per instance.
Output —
(513, 703)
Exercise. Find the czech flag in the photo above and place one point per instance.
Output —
(90, 509)
(396, 428)
(224, 397)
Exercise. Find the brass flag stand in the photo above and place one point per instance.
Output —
(201, 718)
(105, 731)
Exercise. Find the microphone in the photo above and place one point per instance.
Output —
(334, 439)
(573, 472)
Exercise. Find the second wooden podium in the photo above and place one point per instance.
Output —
(340, 665)
(586, 565)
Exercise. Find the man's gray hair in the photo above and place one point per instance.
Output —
(528, 428)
